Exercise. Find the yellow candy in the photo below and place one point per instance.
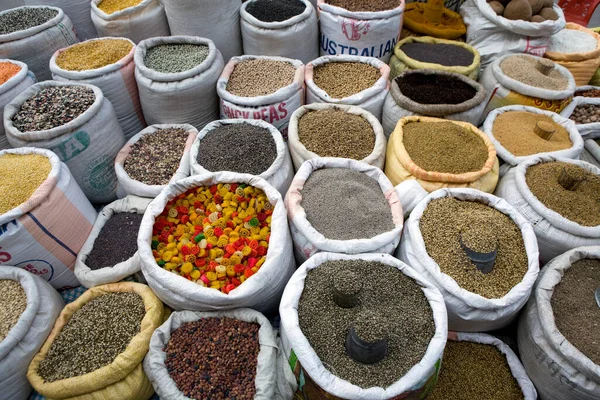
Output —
(212, 254)
(176, 260)
(167, 255)
(230, 270)
(260, 262)
(213, 240)
(186, 268)
(195, 274)
(235, 260)
(215, 285)
(212, 276)
(171, 246)
(247, 250)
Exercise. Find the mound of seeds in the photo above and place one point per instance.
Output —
(444, 147)
(344, 204)
(13, 302)
(435, 89)
(581, 205)
(336, 133)
(443, 54)
(343, 79)
(174, 58)
(243, 148)
(275, 10)
(94, 336)
(260, 77)
(112, 6)
(116, 242)
(20, 176)
(24, 18)
(214, 358)
(588, 93)
(515, 130)
(475, 371)
(154, 158)
(482, 229)
(365, 5)
(407, 320)
(93, 54)
(586, 114)
(7, 71)
(576, 312)
(52, 107)
(523, 69)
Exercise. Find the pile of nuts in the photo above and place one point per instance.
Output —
(586, 114)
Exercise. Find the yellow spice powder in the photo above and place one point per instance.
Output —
(20, 176)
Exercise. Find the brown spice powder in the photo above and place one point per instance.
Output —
(444, 147)
(515, 131)
(581, 205)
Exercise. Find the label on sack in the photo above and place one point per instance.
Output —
(502, 97)
(277, 114)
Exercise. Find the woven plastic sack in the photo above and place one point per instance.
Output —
(262, 291)
(295, 38)
(510, 160)
(555, 233)
(275, 108)
(88, 144)
(130, 186)
(308, 241)
(316, 382)
(591, 152)
(590, 130)
(582, 65)
(366, 34)
(35, 46)
(267, 373)
(10, 89)
(187, 97)
(117, 82)
(495, 36)
(145, 20)
(556, 367)
(397, 105)
(27, 336)
(79, 11)
(113, 273)
(300, 153)
(370, 99)
(44, 234)
(451, 28)
(400, 62)
(122, 379)
(505, 91)
(218, 21)
(468, 311)
(399, 167)
(279, 174)
(514, 364)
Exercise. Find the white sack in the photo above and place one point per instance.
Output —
(35, 46)
(300, 153)
(128, 185)
(296, 38)
(266, 368)
(558, 369)
(370, 99)
(494, 36)
(142, 21)
(279, 174)
(588, 131)
(199, 18)
(110, 274)
(308, 241)
(117, 82)
(262, 291)
(555, 234)
(88, 144)
(591, 152)
(23, 341)
(275, 108)
(468, 311)
(367, 34)
(303, 358)
(10, 89)
(44, 234)
(187, 97)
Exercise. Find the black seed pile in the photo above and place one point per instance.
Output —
(242, 148)
(24, 18)
(275, 10)
(443, 54)
(117, 241)
(435, 89)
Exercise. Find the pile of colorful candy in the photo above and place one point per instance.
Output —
(216, 236)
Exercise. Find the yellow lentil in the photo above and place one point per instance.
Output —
(112, 6)
(93, 54)
(20, 176)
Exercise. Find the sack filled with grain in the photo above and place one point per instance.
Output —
(15, 78)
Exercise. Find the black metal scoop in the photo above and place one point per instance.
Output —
(365, 352)
(483, 261)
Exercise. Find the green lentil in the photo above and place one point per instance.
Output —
(93, 54)
(260, 77)
(174, 58)
(13, 302)
(344, 79)
(24, 18)
(20, 176)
